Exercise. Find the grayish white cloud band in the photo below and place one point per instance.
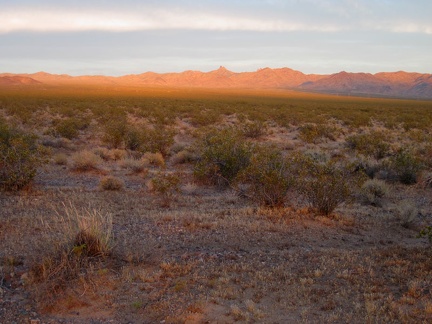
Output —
(73, 20)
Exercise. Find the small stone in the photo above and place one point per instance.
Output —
(35, 321)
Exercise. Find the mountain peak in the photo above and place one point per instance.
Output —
(222, 71)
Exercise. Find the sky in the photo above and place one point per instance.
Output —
(112, 37)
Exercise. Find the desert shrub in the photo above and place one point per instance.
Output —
(367, 165)
(155, 159)
(371, 144)
(419, 135)
(325, 185)
(157, 140)
(267, 177)
(69, 128)
(166, 185)
(85, 160)
(310, 133)
(115, 132)
(404, 167)
(373, 190)
(20, 157)
(111, 183)
(134, 139)
(253, 129)
(222, 155)
(424, 154)
(205, 117)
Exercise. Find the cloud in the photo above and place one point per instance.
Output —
(311, 15)
(70, 21)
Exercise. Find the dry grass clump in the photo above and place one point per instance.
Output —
(183, 156)
(110, 154)
(60, 159)
(135, 165)
(77, 243)
(85, 160)
(406, 212)
(155, 159)
(111, 183)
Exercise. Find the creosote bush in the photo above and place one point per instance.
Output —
(222, 155)
(166, 185)
(253, 129)
(325, 185)
(69, 128)
(115, 132)
(311, 133)
(405, 167)
(371, 144)
(20, 157)
(157, 140)
(267, 178)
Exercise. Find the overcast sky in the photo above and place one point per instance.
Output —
(127, 36)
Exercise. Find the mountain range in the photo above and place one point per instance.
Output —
(387, 84)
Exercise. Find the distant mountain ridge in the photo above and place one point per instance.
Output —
(388, 84)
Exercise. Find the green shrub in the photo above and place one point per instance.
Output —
(115, 132)
(405, 167)
(19, 158)
(70, 127)
(133, 139)
(310, 133)
(253, 129)
(267, 177)
(371, 144)
(222, 155)
(157, 140)
(325, 185)
(166, 185)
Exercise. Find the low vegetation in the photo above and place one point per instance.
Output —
(188, 206)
